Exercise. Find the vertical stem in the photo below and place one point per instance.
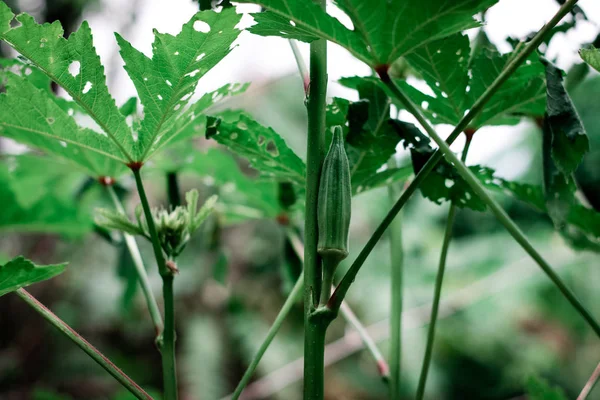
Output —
(173, 189)
(438, 288)
(495, 207)
(314, 329)
(139, 268)
(84, 345)
(167, 344)
(396, 265)
(328, 272)
(168, 341)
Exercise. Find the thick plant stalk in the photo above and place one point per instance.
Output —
(84, 345)
(345, 310)
(314, 328)
(396, 275)
(494, 206)
(437, 294)
(167, 342)
(589, 386)
(511, 67)
(136, 256)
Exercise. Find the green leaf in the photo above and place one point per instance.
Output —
(32, 116)
(383, 30)
(36, 197)
(538, 389)
(592, 57)
(266, 151)
(111, 219)
(166, 82)
(458, 80)
(21, 272)
(73, 64)
(569, 141)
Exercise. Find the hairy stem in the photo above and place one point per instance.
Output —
(84, 345)
(589, 386)
(495, 207)
(511, 67)
(134, 251)
(314, 328)
(437, 293)
(167, 342)
(396, 272)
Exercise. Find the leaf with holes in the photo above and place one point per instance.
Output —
(266, 151)
(592, 57)
(21, 272)
(32, 116)
(457, 80)
(166, 82)
(383, 30)
(74, 65)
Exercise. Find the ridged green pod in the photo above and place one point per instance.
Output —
(334, 203)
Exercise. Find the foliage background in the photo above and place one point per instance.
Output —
(503, 321)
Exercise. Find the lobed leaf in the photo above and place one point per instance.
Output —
(21, 272)
(74, 65)
(382, 31)
(266, 151)
(166, 82)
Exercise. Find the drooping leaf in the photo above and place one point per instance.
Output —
(568, 139)
(383, 30)
(592, 57)
(73, 64)
(266, 151)
(21, 272)
(166, 81)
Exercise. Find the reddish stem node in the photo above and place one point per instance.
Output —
(382, 71)
(135, 165)
(106, 180)
(283, 219)
(469, 132)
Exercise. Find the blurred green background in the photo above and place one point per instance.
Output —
(502, 322)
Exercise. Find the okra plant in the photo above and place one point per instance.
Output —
(351, 148)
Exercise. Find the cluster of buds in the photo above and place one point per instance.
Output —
(173, 227)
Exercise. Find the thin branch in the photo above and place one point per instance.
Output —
(589, 386)
(494, 206)
(511, 67)
(506, 278)
(84, 345)
(140, 269)
(438, 288)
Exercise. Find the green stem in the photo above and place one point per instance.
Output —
(498, 211)
(346, 282)
(168, 341)
(84, 345)
(438, 289)
(167, 344)
(139, 268)
(396, 265)
(314, 328)
(345, 310)
(285, 310)
(328, 273)
(173, 191)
